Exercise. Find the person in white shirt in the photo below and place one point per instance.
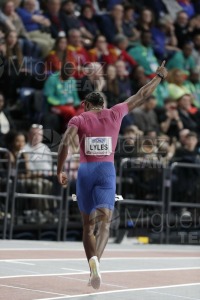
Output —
(39, 158)
(40, 163)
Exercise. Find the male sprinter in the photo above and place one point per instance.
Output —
(98, 130)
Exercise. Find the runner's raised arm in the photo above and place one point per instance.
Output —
(139, 98)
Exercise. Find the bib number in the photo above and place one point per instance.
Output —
(98, 145)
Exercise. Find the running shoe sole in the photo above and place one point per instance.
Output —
(95, 278)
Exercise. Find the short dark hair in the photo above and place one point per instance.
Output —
(85, 6)
(95, 98)
(192, 134)
(128, 6)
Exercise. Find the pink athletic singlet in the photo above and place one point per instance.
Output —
(93, 128)
(98, 133)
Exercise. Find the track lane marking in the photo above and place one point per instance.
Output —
(103, 272)
(121, 291)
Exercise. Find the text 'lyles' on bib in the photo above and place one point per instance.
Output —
(98, 145)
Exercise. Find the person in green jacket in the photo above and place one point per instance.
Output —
(143, 54)
(182, 60)
(193, 85)
(61, 93)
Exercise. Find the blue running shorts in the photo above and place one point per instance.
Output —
(96, 186)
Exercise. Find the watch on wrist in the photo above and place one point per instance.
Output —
(160, 75)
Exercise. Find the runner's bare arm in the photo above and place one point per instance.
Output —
(69, 135)
(146, 91)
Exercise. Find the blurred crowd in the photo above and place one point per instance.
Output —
(54, 52)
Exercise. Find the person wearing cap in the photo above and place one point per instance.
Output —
(98, 130)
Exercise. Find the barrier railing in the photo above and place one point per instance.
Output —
(184, 185)
(142, 183)
(33, 187)
(5, 167)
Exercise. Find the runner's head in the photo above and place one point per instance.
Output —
(94, 100)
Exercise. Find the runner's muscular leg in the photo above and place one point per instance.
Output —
(89, 240)
(103, 220)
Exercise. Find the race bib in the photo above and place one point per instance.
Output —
(98, 145)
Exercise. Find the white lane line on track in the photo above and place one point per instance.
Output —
(19, 262)
(108, 284)
(103, 272)
(171, 295)
(122, 291)
(105, 258)
(72, 270)
(32, 290)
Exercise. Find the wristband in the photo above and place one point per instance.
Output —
(160, 75)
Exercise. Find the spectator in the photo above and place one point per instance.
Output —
(40, 165)
(186, 179)
(29, 48)
(129, 26)
(182, 60)
(164, 38)
(57, 56)
(188, 119)
(36, 24)
(6, 22)
(123, 80)
(101, 52)
(112, 24)
(68, 9)
(128, 143)
(139, 78)
(170, 122)
(92, 81)
(72, 21)
(182, 28)
(119, 52)
(188, 153)
(196, 50)
(143, 54)
(61, 92)
(161, 93)
(40, 159)
(88, 21)
(2, 46)
(146, 20)
(15, 72)
(193, 85)
(9, 11)
(77, 54)
(15, 142)
(6, 123)
(194, 25)
(112, 89)
(56, 17)
(176, 85)
(145, 117)
(183, 137)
